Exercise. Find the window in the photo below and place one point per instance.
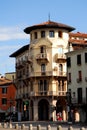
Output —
(51, 33)
(35, 35)
(80, 75)
(43, 67)
(86, 95)
(43, 49)
(74, 95)
(78, 59)
(4, 90)
(60, 69)
(4, 101)
(42, 34)
(60, 34)
(31, 86)
(43, 85)
(79, 93)
(31, 36)
(85, 57)
(68, 62)
(60, 50)
(69, 77)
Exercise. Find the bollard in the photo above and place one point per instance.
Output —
(0, 125)
(23, 127)
(5, 125)
(70, 128)
(82, 128)
(48, 127)
(38, 127)
(10, 125)
(59, 128)
(16, 126)
(30, 127)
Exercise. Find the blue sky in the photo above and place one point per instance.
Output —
(16, 15)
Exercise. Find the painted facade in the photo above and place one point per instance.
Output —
(7, 98)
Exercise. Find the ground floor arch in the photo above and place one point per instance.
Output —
(43, 110)
(61, 110)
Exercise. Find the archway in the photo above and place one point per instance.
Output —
(43, 110)
(60, 107)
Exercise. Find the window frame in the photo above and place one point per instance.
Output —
(51, 33)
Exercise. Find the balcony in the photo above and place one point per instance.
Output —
(28, 59)
(47, 93)
(42, 57)
(60, 58)
(19, 64)
(47, 74)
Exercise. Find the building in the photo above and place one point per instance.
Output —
(7, 98)
(41, 78)
(76, 74)
(77, 40)
(11, 76)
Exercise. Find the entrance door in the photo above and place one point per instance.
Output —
(43, 110)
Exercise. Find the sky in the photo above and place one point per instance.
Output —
(16, 15)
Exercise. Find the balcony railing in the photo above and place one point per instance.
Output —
(47, 93)
(46, 73)
(60, 58)
(42, 56)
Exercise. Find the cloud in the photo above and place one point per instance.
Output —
(12, 33)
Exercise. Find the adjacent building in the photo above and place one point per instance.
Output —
(41, 77)
(7, 98)
(77, 76)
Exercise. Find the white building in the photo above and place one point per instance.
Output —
(41, 78)
(77, 82)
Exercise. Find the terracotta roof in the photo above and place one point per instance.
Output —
(78, 34)
(78, 41)
(48, 24)
(4, 81)
(19, 51)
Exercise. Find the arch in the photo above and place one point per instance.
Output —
(43, 110)
(61, 103)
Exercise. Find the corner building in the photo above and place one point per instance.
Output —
(41, 78)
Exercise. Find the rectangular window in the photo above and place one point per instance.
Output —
(42, 34)
(35, 35)
(68, 62)
(86, 95)
(79, 92)
(80, 75)
(78, 59)
(51, 33)
(4, 90)
(43, 68)
(43, 86)
(4, 101)
(60, 34)
(43, 49)
(85, 57)
(69, 77)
